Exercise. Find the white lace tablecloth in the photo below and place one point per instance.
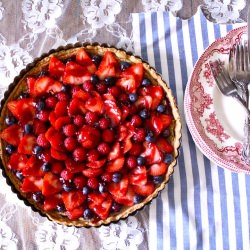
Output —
(31, 27)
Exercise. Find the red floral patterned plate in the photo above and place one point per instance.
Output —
(215, 122)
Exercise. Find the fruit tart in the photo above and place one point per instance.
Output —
(89, 134)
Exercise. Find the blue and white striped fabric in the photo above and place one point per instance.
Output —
(203, 206)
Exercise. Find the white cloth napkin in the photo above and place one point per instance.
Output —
(203, 206)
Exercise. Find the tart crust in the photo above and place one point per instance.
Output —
(19, 85)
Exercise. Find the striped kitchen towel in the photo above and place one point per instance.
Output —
(203, 206)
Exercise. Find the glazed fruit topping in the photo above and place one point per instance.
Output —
(89, 136)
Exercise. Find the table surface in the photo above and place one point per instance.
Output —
(31, 27)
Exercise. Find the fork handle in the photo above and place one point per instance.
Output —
(239, 99)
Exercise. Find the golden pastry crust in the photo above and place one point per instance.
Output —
(19, 85)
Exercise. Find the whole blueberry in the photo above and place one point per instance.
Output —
(110, 80)
(133, 97)
(168, 158)
(116, 207)
(19, 175)
(158, 179)
(38, 197)
(10, 149)
(165, 133)
(24, 95)
(40, 105)
(10, 120)
(150, 136)
(28, 129)
(161, 108)
(102, 188)
(96, 59)
(124, 65)
(137, 199)
(116, 177)
(144, 113)
(66, 88)
(85, 190)
(61, 208)
(87, 214)
(37, 150)
(46, 167)
(94, 79)
(141, 160)
(68, 186)
(146, 82)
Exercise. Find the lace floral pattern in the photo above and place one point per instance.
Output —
(161, 5)
(223, 11)
(123, 235)
(1, 10)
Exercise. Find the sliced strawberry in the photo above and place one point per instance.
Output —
(89, 137)
(51, 184)
(27, 144)
(58, 155)
(127, 199)
(51, 202)
(61, 108)
(84, 59)
(158, 169)
(122, 133)
(31, 85)
(96, 164)
(120, 188)
(95, 105)
(125, 112)
(73, 199)
(112, 110)
(17, 161)
(75, 74)
(46, 84)
(164, 146)
(144, 190)
(138, 176)
(156, 92)
(39, 127)
(166, 120)
(97, 198)
(144, 102)
(76, 107)
(151, 153)
(53, 118)
(12, 134)
(92, 172)
(103, 209)
(57, 141)
(33, 167)
(23, 109)
(115, 152)
(61, 121)
(115, 165)
(74, 167)
(56, 67)
(108, 67)
(127, 144)
(155, 124)
(75, 213)
(49, 133)
(32, 184)
(82, 95)
(136, 71)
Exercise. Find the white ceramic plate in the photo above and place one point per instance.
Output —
(215, 122)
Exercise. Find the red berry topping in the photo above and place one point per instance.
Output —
(62, 96)
(103, 148)
(103, 123)
(139, 135)
(136, 121)
(80, 181)
(108, 135)
(131, 162)
(93, 183)
(88, 86)
(93, 155)
(43, 115)
(69, 129)
(42, 141)
(70, 143)
(91, 118)
(51, 102)
(79, 154)
(79, 120)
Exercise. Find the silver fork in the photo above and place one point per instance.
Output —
(239, 69)
(225, 84)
